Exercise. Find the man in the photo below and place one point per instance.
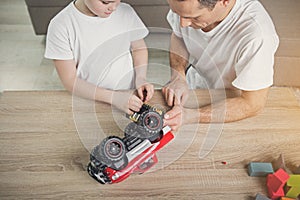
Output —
(230, 44)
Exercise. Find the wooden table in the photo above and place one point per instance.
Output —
(42, 155)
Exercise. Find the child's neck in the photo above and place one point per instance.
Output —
(80, 5)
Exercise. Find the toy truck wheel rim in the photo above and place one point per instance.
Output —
(152, 121)
(114, 149)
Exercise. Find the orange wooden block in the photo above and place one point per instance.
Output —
(286, 198)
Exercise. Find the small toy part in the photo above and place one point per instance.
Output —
(260, 169)
(261, 197)
(276, 182)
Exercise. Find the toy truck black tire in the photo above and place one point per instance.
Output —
(113, 153)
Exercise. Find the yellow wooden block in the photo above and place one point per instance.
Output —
(294, 180)
(293, 192)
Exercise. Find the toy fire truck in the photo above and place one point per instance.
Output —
(115, 158)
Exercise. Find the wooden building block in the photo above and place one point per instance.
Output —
(281, 175)
(261, 197)
(274, 195)
(294, 180)
(260, 169)
(277, 180)
(293, 192)
(287, 198)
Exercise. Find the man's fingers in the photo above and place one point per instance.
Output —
(181, 97)
(172, 113)
(170, 97)
(177, 99)
(184, 97)
(173, 119)
(174, 128)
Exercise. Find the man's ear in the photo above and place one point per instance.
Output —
(225, 3)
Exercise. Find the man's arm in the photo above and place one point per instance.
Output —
(179, 57)
(175, 92)
(125, 101)
(248, 104)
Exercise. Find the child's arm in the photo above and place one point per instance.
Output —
(140, 61)
(66, 70)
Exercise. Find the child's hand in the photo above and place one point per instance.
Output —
(127, 101)
(134, 104)
(145, 92)
(176, 92)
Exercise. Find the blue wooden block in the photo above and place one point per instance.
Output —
(260, 169)
(261, 197)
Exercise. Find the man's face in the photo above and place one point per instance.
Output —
(102, 8)
(193, 15)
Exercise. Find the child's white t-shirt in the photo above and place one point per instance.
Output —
(100, 46)
(237, 53)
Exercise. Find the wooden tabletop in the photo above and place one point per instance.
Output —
(46, 136)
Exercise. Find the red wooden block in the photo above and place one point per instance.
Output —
(275, 195)
(276, 182)
(282, 175)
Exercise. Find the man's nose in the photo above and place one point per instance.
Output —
(185, 22)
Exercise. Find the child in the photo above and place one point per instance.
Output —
(94, 45)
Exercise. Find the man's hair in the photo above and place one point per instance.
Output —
(210, 4)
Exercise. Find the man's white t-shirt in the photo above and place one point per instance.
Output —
(100, 46)
(237, 53)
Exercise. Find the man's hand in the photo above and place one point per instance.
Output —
(127, 101)
(145, 92)
(174, 118)
(178, 116)
(176, 92)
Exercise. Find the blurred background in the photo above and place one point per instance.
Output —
(23, 25)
